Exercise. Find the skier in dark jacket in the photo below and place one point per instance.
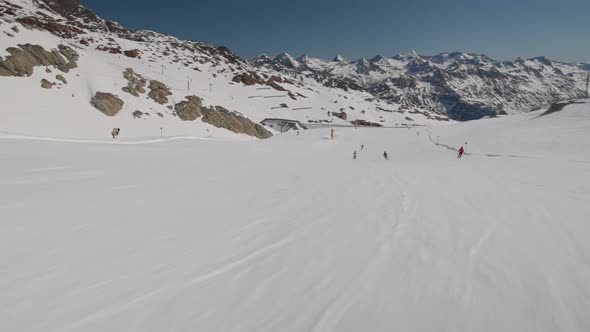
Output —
(354, 156)
(385, 155)
(461, 152)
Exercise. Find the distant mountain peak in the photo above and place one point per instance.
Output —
(284, 55)
(378, 58)
(339, 58)
(287, 60)
(408, 56)
(306, 59)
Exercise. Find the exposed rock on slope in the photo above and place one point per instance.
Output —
(222, 118)
(23, 59)
(190, 109)
(61, 79)
(136, 83)
(159, 92)
(107, 103)
(45, 84)
(363, 123)
(248, 79)
(70, 54)
(132, 54)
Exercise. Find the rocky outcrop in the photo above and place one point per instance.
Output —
(48, 23)
(138, 114)
(159, 92)
(341, 115)
(135, 83)
(275, 86)
(192, 109)
(110, 49)
(107, 103)
(25, 58)
(61, 79)
(275, 78)
(248, 78)
(364, 123)
(71, 55)
(222, 118)
(132, 54)
(45, 84)
(189, 109)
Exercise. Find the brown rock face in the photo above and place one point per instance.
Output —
(71, 55)
(22, 60)
(364, 123)
(51, 25)
(247, 79)
(159, 92)
(73, 11)
(276, 86)
(274, 78)
(64, 7)
(192, 109)
(132, 53)
(136, 83)
(45, 84)
(61, 78)
(222, 118)
(110, 49)
(107, 103)
(342, 115)
(189, 110)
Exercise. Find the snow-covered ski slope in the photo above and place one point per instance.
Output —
(291, 234)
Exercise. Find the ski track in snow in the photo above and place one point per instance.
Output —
(291, 234)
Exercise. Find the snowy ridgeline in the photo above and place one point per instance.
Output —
(291, 234)
(464, 86)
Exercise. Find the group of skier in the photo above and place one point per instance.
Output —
(460, 152)
(354, 154)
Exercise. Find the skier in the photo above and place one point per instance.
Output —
(385, 155)
(354, 155)
(332, 134)
(115, 132)
(362, 147)
(461, 152)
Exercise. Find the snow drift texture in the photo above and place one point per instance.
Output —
(291, 234)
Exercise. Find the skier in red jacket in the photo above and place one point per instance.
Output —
(461, 152)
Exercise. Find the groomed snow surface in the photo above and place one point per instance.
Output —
(291, 234)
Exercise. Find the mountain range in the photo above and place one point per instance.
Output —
(464, 86)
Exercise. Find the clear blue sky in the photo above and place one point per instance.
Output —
(502, 29)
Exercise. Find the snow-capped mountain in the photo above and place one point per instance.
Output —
(463, 86)
(89, 75)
